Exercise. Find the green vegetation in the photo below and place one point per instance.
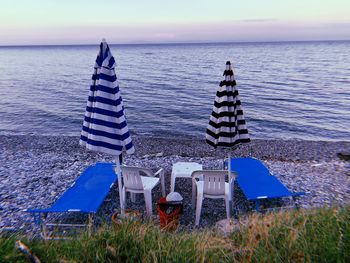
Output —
(318, 235)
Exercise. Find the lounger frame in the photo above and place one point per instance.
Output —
(85, 196)
(257, 183)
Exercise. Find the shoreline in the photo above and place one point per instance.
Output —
(35, 170)
(290, 149)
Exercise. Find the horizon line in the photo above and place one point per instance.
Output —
(180, 43)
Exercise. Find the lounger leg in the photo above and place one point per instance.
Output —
(90, 224)
(37, 218)
(257, 205)
(294, 200)
(198, 208)
(43, 227)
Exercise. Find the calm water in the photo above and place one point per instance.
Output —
(288, 90)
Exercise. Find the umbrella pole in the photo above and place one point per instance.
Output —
(120, 185)
(230, 178)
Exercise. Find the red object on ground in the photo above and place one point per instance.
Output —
(169, 214)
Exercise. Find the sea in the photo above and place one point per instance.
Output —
(288, 90)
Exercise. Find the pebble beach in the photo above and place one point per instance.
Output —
(36, 170)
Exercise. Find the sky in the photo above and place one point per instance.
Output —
(35, 22)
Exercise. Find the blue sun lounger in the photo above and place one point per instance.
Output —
(85, 195)
(256, 181)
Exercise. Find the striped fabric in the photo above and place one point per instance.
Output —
(227, 127)
(105, 128)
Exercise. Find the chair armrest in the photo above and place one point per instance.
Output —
(232, 180)
(197, 175)
(160, 172)
(233, 177)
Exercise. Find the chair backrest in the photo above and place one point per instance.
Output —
(132, 176)
(214, 181)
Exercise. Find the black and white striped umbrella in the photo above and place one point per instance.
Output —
(227, 126)
(105, 128)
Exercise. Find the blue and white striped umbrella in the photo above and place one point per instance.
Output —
(105, 128)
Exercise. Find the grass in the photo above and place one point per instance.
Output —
(318, 235)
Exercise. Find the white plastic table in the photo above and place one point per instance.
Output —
(183, 170)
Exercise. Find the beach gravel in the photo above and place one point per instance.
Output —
(36, 170)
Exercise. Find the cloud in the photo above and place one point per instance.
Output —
(235, 31)
(256, 20)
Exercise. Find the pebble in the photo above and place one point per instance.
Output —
(36, 170)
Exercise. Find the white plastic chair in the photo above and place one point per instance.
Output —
(141, 180)
(212, 186)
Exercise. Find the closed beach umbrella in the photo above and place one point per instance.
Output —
(105, 128)
(227, 127)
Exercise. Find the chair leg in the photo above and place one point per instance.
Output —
(194, 193)
(124, 196)
(228, 207)
(172, 183)
(148, 201)
(133, 197)
(162, 186)
(198, 208)
(231, 193)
